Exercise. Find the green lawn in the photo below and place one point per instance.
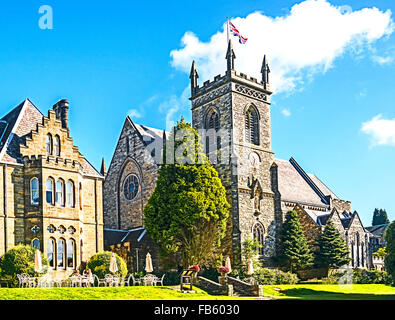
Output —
(301, 291)
(104, 293)
(331, 292)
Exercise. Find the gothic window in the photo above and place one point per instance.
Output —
(251, 126)
(70, 253)
(212, 126)
(131, 187)
(51, 252)
(358, 247)
(49, 190)
(352, 254)
(56, 146)
(258, 232)
(80, 195)
(34, 191)
(70, 194)
(48, 143)
(61, 253)
(36, 243)
(60, 192)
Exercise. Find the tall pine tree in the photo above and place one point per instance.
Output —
(380, 217)
(389, 260)
(295, 250)
(333, 251)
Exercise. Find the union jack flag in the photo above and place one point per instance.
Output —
(236, 33)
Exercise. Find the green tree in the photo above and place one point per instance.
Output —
(294, 247)
(188, 210)
(333, 251)
(389, 260)
(18, 260)
(99, 264)
(380, 253)
(380, 217)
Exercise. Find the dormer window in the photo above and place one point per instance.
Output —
(56, 146)
(48, 143)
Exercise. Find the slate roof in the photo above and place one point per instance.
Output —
(294, 187)
(21, 121)
(114, 236)
(378, 230)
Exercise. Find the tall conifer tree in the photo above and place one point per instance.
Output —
(295, 249)
(333, 251)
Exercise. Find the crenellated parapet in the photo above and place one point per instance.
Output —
(40, 161)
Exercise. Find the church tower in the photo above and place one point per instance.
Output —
(233, 113)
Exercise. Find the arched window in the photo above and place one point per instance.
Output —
(80, 195)
(212, 126)
(251, 126)
(358, 247)
(212, 120)
(56, 146)
(36, 243)
(70, 194)
(51, 252)
(71, 253)
(59, 193)
(259, 234)
(61, 253)
(48, 143)
(49, 191)
(34, 191)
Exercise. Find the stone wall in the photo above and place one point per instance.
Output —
(130, 157)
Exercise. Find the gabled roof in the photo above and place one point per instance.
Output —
(19, 124)
(297, 186)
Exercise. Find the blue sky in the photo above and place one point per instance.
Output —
(111, 59)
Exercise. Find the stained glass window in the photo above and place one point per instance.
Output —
(131, 187)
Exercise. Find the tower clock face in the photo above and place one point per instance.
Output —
(254, 159)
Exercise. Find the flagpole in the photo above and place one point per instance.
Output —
(227, 30)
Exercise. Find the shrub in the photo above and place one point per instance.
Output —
(100, 264)
(210, 273)
(18, 260)
(172, 278)
(274, 276)
(362, 277)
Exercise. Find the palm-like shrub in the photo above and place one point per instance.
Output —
(18, 260)
(100, 264)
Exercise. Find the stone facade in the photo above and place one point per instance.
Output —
(232, 116)
(73, 219)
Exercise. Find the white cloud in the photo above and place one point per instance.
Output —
(139, 113)
(174, 106)
(383, 60)
(298, 45)
(382, 131)
(286, 112)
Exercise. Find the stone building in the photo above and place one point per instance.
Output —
(232, 116)
(50, 195)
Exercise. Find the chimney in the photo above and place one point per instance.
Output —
(61, 109)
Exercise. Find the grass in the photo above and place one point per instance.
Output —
(104, 293)
(298, 291)
(330, 292)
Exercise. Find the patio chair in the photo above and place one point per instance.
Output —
(108, 280)
(116, 281)
(135, 281)
(159, 280)
(98, 281)
(75, 281)
(149, 280)
(23, 282)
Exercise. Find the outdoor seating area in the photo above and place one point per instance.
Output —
(26, 281)
(88, 279)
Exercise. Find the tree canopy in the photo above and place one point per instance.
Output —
(188, 210)
(389, 260)
(380, 217)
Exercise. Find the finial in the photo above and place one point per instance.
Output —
(265, 70)
(230, 57)
(103, 169)
(194, 78)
